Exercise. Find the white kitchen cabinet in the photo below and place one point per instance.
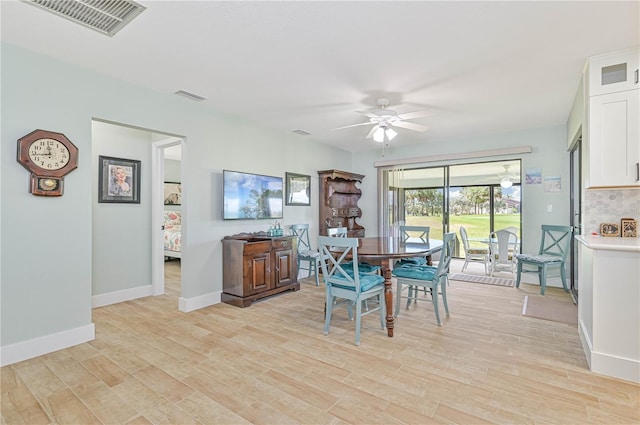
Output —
(609, 305)
(614, 139)
(614, 72)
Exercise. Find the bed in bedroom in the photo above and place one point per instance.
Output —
(172, 234)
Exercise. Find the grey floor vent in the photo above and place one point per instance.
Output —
(105, 16)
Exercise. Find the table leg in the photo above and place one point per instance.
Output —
(388, 295)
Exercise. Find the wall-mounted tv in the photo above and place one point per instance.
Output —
(249, 196)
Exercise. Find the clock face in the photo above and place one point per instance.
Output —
(49, 154)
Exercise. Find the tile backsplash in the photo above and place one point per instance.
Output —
(609, 206)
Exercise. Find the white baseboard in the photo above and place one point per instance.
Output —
(25, 350)
(121, 296)
(190, 304)
(606, 363)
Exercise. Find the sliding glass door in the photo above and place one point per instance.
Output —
(482, 197)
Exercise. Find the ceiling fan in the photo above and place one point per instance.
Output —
(383, 119)
(507, 178)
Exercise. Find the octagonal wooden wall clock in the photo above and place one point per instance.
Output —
(49, 156)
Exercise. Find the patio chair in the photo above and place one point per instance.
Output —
(474, 254)
(501, 245)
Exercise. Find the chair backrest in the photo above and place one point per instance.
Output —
(448, 247)
(302, 232)
(338, 232)
(338, 251)
(465, 238)
(420, 232)
(500, 243)
(556, 240)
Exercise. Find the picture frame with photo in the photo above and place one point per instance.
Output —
(298, 189)
(118, 180)
(172, 193)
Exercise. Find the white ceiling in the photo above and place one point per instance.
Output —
(477, 67)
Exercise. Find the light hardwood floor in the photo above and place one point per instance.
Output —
(270, 363)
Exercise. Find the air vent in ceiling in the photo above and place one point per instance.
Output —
(105, 16)
(189, 95)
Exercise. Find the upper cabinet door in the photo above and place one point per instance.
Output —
(614, 72)
(614, 139)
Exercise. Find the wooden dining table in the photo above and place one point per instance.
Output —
(384, 250)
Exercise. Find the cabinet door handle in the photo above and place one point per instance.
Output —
(637, 171)
(636, 76)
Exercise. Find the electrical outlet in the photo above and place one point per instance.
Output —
(549, 208)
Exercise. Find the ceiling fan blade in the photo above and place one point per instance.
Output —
(369, 114)
(412, 115)
(353, 125)
(411, 126)
(373, 130)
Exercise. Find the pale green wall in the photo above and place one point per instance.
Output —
(121, 232)
(46, 274)
(47, 245)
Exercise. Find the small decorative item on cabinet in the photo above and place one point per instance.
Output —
(629, 228)
(610, 230)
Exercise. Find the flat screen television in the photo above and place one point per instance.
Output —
(248, 196)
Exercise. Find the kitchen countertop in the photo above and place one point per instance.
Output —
(610, 244)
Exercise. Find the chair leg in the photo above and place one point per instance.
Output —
(383, 311)
(410, 294)
(542, 273)
(518, 274)
(328, 307)
(398, 295)
(358, 320)
(315, 271)
(563, 276)
(466, 263)
(443, 287)
(434, 298)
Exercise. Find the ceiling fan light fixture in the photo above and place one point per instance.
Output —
(378, 136)
(506, 183)
(391, 133)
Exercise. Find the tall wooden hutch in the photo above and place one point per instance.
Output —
(339, 195)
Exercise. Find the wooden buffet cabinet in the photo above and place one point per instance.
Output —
(339, 197)
(257, 266)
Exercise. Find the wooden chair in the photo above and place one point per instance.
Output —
(348, 286)
(428, 277)
(554, 248)
(474, 254)
(305, 253)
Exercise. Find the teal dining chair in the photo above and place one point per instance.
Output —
(415, 276)
(366, 268)
(310, 257)
(344, 286)
(417, 233)
(554, 248)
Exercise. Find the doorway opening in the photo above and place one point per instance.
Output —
(167, 216)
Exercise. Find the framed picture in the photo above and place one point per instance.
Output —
(172, 193)
(629, 228)
(298, 191)
(610, 229)
(118, 180)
